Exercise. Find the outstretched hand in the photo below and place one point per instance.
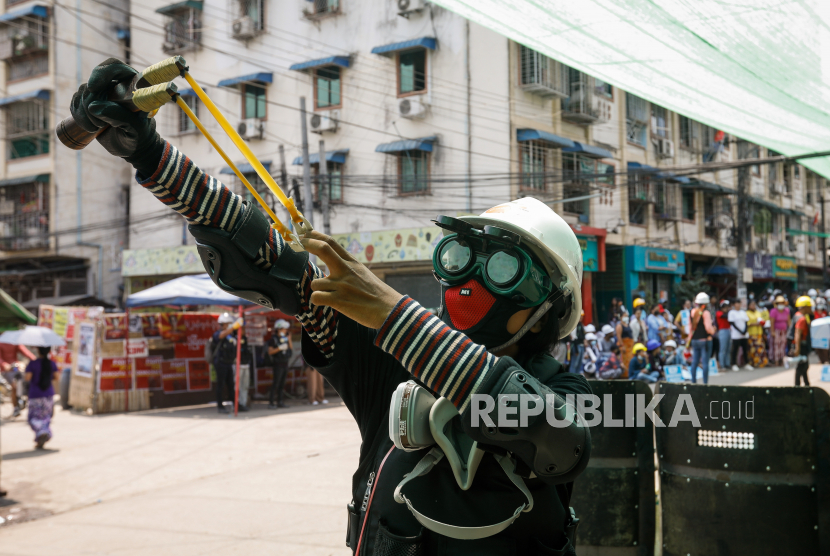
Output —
(350, 288)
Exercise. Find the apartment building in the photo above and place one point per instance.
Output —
(423, 113)
(62, 212)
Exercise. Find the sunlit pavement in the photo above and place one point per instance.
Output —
(192, 482)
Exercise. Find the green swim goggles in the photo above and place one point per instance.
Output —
(493, 254)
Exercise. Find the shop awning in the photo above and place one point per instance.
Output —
(389, 49)
(187, 93)
(720, 270)
(186, 290)
(179, 6)
(81, 300)
(792, 232)
(338, 156)
(588, 150)
(792, 212)
(342, 61)
(40, 94)
(12, 312)
(44, 178)
(556, 141)
(247, 168)
(706, 186)
(422, 144)
(263, 77)
(38, 10)
(766, 204)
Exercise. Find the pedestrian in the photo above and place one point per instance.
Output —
(724, 335)
(224, 359)
(670, 354)
(591, 356)
(638, 369)
(625, 342)
(315, 386)
(683, 320)
(638, 324)
(780, 317)
(39, 374)
(655, 357)
(577, 346)
(739, 336)
(607, 338)
(702, 331)
(611, 368)
(653, 321)
(801, 344)
(755, 329)
(280, 348)
(8, 358)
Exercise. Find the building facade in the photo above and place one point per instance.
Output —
(423, 113)
(63, 213)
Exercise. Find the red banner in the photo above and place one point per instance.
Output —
(115, 373)
(172, 327)
(148, 372)
(198, 375)
(198, 330)
(150, 325)
(174, 375)
(115, 327)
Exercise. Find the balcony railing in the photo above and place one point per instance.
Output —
(26, 67)
(183, 31)
(27, 230)
(580, 106)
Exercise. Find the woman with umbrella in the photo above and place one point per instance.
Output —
(39, 374)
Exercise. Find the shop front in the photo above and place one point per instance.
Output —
(592, 242)
(652, 273)
(785, 273)
(762, 275)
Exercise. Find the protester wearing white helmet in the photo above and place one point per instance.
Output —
(700, 339)
(279, 348)
(223, 351)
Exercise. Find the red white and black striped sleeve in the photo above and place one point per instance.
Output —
(204, 200)
(446, 360)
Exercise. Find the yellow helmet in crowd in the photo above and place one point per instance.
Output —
(639, 302)
(638, 347)
(804, 301)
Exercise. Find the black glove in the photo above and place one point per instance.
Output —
(132, 135)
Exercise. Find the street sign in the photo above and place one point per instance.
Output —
(742, 293)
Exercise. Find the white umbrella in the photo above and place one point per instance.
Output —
(38, 336)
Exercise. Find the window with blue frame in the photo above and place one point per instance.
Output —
(253, 101)
(636, 119)
(327, 87)
(412, 72)
(413, 172)
(27, 129)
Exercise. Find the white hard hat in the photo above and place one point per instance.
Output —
(550, 238)
(590, 336)
(812, 292)
(590, 328)
(821, 301)
(225, 318)
(827, 294)
(282, 323)
(607, 329)
(670, 344)
(702, 299)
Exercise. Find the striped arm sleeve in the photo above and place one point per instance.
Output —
(204, 200)
(446, 360)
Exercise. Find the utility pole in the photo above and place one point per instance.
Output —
(323, 187)
(743, 182)
(284, 180)
(823, 243)
(308, 201)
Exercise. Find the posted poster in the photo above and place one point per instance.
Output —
(115, 328)
(60, 320)
(198, 375)
(86, 348)
(62, 358)
(138, 348)
(115, 374)
(46, 316)
(174, 375)
(256, 328)
(198, 330)
(148, 372)
(150, 326)
(172, 327)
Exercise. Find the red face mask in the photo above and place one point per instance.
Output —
(471, 308)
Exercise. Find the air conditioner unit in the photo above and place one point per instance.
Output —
(602, 109)
(665, 148)
(326, 121)
(251, 128)
(409, 6)
(411, 108)
(244, 28)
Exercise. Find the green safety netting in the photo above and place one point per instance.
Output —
(757, 69)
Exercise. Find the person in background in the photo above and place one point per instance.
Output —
(8, 357)
(670, 355)
(655, 357)
(654, 325)
(577, 346)
(702, 331)
(607, 339)
(224, 359)
(740, 338)
(611, 368)
(755, 330)
(591, 353)
(638, 368)
(316, 387)
(638, 323)
(625, 341)
(614, 310)
(821, 308)
(801, 343)
(683, 320)
(280, 348)
(40, 373)
(780, 318)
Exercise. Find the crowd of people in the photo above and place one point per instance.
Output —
(638, 344)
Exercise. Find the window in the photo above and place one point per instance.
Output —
(24, 216)
(666, 200)
(182, 30)
(320, 8)
(640, 195)
(334, 180)
(412, 72)
(707, 135)
(659, 121)
(709, 228)
(27, 127)
(534, 163)
(809, 187)
(788, 182)
(327, 87)
(251, 9)
(186, 125)
(578, 107)
(603, 89)
(253, 101)
(688, 205)
(413, 172)
(24, 44)
(636, 119)
(542, 75)
(689, 133)
(811, 239)
(578, 173)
